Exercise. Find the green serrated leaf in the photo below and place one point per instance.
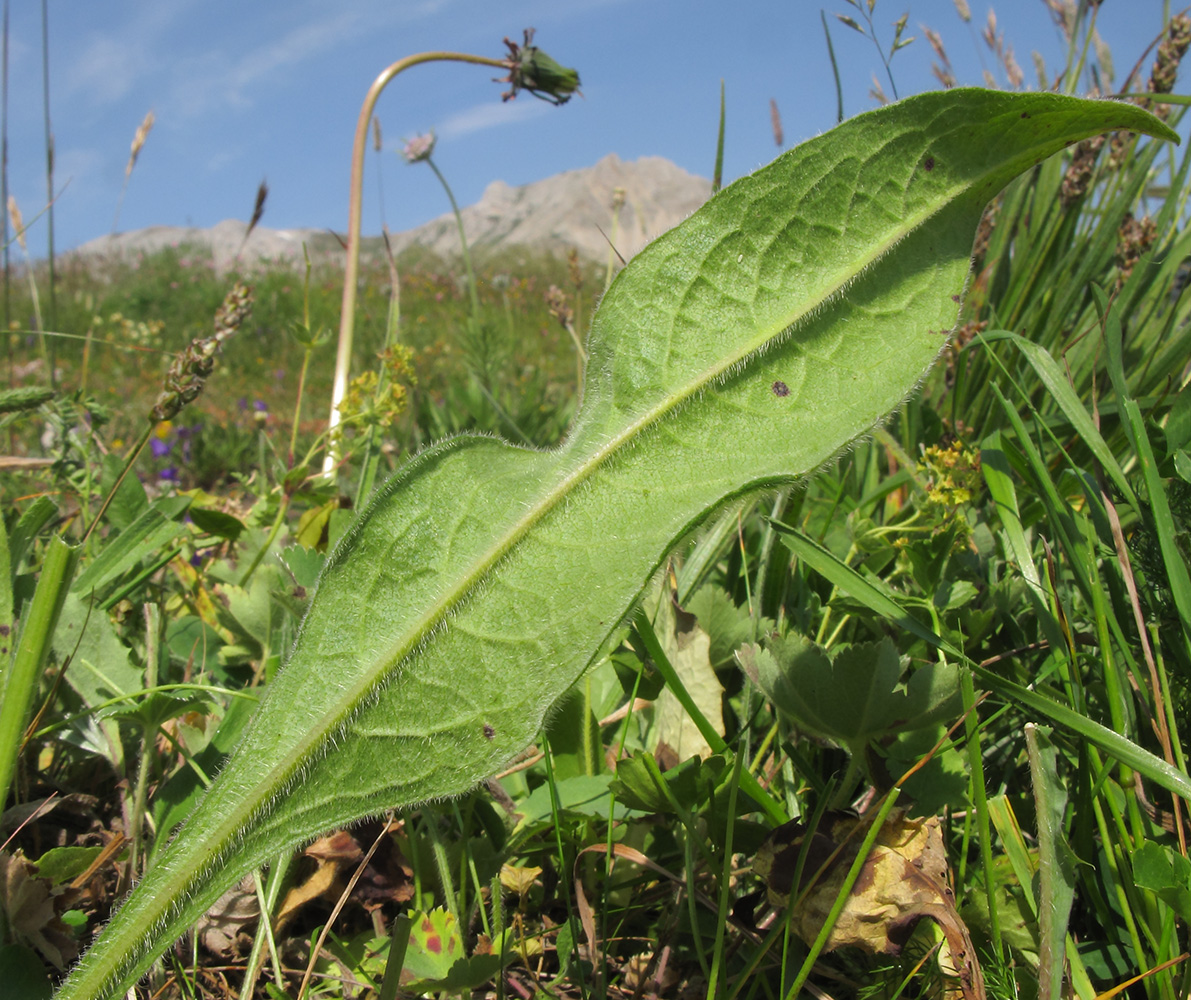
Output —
(736, 353)
(435, 946)
(856, 697)
(1167, 873)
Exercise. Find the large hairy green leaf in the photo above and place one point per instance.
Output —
(738, 352)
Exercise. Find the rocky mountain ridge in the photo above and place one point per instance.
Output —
(573, 209)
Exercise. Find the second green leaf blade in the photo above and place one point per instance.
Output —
(741, 350)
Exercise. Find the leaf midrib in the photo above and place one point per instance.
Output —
(416, 632)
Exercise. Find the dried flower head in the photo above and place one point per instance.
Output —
(1040, 70)
(1064, 14)
(18, 223)
(1013, 71)
(419, 148)
(189, 370)
(942, 70)
(138, 142)
(258, 206)
(531, 69)
(775, 120)
(558, 307)
(877, 92)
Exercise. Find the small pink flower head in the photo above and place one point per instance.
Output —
(418, 148)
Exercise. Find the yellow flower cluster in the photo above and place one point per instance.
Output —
(371, 402)
(953, 473)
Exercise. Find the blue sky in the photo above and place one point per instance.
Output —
(271, 89)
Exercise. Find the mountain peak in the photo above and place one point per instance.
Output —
(573, 209)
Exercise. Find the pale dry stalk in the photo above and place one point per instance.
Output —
(138, 143)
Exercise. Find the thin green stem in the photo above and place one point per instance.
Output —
(293, 436)
(148, 739)
(129, 462)
(274, 531)
(473, 293)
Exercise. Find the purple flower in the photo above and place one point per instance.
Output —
(418, 148)
(169, 474)
(159, 448)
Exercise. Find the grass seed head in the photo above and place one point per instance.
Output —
(18, 223)
(138, 142)
(1166, 65)
(988, 222)
(1012, 70)
(258, 208)
(189, 370)
(1079, 173)
(1134, 239)
(775, 119)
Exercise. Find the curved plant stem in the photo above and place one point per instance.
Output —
(352, 270)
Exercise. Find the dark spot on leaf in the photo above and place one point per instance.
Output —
(780, 388)
(434, 944)
(489, 732)
(956, 299)
(930, 163)
(1025, 114)
(4, 630)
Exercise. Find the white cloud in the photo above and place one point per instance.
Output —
(492, 114)
(112, 61)
(106, 70)
(296, 46)
(218, 78)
